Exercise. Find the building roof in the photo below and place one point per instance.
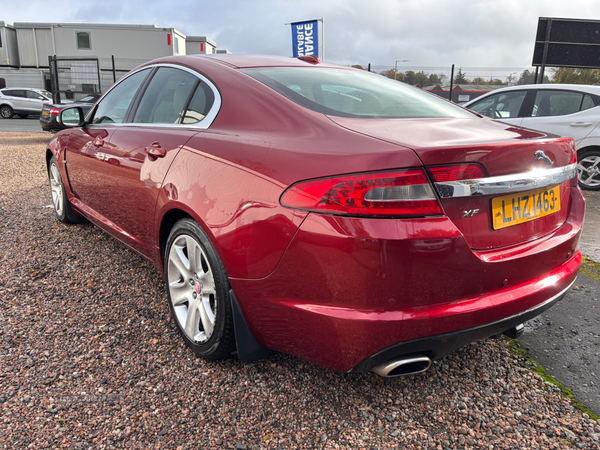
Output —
(201, 39)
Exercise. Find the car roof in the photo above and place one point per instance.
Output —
(244, 61)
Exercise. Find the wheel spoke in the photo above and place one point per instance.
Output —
(194, 254)
(192, 319)
(180, 261)
(207, 316)
(180, 293)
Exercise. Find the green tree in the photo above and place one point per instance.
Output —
(526, 77)
(478, 80)
(460, 77)
(576, 76)
(421, 78)
(410, 78)
(358, 66)
(434, 79)
(390, 73)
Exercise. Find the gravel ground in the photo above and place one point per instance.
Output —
(90, 358)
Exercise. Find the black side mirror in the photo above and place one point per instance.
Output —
(71, 117)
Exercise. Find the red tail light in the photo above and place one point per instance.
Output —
(398, 193)
(54, 111)
(457, 172)
(575, 181)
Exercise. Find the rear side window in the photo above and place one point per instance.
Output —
(500, 106)
(14, 93)
(114, 105)
(200, 104)
(350, 93)
(559, 103)
(166, 96)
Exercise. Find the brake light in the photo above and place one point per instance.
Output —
(456, 173)
(398, 193)
(54, 111)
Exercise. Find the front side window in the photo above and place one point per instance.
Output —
(83, 40)
(113, 107)
(500, 106)
(349, 93)
(165, 97)
(559, 103)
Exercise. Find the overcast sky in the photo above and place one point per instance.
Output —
(428, 33)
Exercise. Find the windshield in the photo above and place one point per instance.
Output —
(46, 94)
(353, 93)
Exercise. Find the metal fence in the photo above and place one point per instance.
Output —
(74, 78)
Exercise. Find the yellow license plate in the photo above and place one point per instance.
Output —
(45, 113)
(520, 208)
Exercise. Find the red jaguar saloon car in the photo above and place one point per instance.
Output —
(321, 211)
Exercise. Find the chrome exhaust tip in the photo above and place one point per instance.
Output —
(515, 332)
(405, 365)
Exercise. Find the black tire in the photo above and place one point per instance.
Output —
(194, 296)
(588, 170)
(23, 116)
(6, 112)
(60, 202)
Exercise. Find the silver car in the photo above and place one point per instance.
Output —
(571, 110)
(22, 101)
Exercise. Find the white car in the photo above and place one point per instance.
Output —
(565, 109)
(22, 101)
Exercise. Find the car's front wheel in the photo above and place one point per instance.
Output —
(588, 170)
(198, 291)
(6, 112)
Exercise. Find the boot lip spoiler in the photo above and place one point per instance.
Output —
(506, 184)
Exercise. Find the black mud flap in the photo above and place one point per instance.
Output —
(247, 347)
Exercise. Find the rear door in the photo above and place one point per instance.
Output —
(35, 101)
(566, 113)
(18, 99)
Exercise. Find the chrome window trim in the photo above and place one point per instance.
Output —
(506, 184)
(202, 125)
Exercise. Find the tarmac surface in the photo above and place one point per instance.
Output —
(565, 340)
(31, 125)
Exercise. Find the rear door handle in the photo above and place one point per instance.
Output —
(98, 142)
(155, 150)
(580, 124)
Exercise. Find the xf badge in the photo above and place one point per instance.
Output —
(470, 213)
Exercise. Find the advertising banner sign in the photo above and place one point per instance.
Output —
(305, 38)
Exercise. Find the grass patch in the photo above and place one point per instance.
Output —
(590, 268)
(529, 363)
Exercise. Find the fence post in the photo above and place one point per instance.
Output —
(369, 67)
(451, 79)
(114, 70)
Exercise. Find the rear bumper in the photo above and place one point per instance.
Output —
(436, 347)
(351, 293)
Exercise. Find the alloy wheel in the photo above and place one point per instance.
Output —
(57, 189)
(6, 112)
(192, 288)
(588, 171)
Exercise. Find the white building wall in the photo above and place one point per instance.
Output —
(31, 78)
(141, 42)
(9, 52)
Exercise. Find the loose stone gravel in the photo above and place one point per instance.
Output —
(90, 358)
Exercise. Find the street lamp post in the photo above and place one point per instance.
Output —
(396, 66)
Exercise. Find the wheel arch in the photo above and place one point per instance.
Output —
(588, 148)
(167, 222)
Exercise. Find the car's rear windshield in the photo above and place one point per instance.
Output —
(353, 93)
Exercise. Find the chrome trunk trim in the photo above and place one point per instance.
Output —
(537, 178)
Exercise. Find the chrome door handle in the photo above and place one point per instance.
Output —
(155, 150)
(580, 124)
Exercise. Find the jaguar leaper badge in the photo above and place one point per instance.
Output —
(541, 156)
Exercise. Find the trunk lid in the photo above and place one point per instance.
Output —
(501, 150)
